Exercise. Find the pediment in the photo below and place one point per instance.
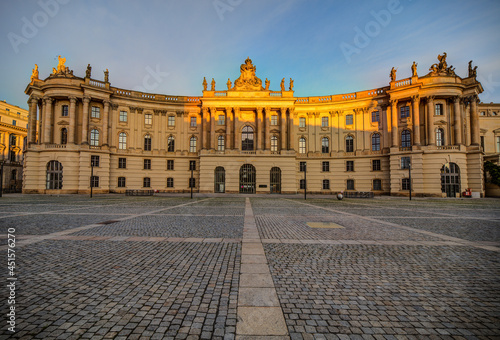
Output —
(220, 131)
(483, 130)
(440, 122)
(63, 122)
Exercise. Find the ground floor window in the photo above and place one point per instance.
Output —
(275, 180)
(326, 184)
(54, 175)
(405, 184)
(146, 182)
(121, 182)
(170, 182)
(350, 184)
(192, 182)
(220, 179)
(94, 181)
(302, 184)
(377, 184)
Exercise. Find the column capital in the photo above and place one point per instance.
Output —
(228, 110)
(457, 99)
(213, 110)
(106, 102)
(48, 100)
(114, 106)
(268, 109)
(72, 99)
(259, 110)
(430, 98)
(393, 102)
(33, 100)
(86, 99)
(415, 98)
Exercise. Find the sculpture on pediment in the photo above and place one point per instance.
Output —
(229, 84)
(414, 69)
(291, 84)
(248, 80)
(267, 84)
(106, 76)
(472, 71)
(213, 85)
(393, 74)
(283, 84)
(34, 73)
(442, 68)
(88, 72)
(205, 84)
(61, 69)
(60, 65)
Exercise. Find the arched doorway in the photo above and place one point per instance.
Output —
(450, 179)
(247, 179)
(275, 180)
(220, 179)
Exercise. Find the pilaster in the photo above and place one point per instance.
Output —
(85, 121)
(415, 100)
(72, 120)
(47, 120)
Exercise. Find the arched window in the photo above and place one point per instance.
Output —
(192, 144)
(122, 141)
(405, 139)
(54, 175)
(439, 137)
(376, 142)
(247, 138)
(349, 143)
(64, 136)
(325, 145)
(274, 143)
(147, 142)
(220, 143)
(94, 137)
(170, 144)
(302, 145)
(12, 145)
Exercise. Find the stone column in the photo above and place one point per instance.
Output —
(85, 120)
(72, 120)
(212, 143)
(33, 102)
(394, 125)
(474, 121)
(259, 128)
(415, 100)
(267, 138)
(204, 116)
(105, 123)
(47, 120)
(237, 135)
(457, 121)
(291, 129)
(431, 138)
(332, 136)
(283, 128)
(41, 110)
(229, 122)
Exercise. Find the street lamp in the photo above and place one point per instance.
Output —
(91, 176)
(191, 182)
(409, 177)
(305, 181)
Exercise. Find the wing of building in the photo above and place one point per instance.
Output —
(246, 138)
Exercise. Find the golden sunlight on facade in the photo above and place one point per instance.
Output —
(247, 138)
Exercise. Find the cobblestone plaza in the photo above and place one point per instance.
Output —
(251, 267)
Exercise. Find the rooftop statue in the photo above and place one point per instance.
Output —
(267, 84)
(393, 74)
(248, 80)
(291, 84)
(34, 73)
(88, 72)
(414, 69)
(472, 71)
(205, 84)
(106, 76)
(283, 84)
(61, 68)
(442, 68)
(213, 85)
(229, 84)
(60, 65)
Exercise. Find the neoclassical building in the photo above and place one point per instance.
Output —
(247, 138)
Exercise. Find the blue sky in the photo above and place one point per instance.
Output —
(168, 46)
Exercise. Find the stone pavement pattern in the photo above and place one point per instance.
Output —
(173, 268)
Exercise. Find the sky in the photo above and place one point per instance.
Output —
(168, 46)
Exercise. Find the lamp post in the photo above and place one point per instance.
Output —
(91, 177)
(305, 181)
(191, 182)
(409, 177)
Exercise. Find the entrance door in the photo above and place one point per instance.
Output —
(275, 182)
(247, 179)
(450, 179)
(220, 179)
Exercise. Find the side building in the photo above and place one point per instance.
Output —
(250, 139)
(13, 135)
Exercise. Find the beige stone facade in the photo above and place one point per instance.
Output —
(248, 138)
(13, 133)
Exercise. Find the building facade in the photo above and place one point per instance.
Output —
(250, 139)
(13, 134)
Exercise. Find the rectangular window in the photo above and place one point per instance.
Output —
(438, 109)
(326, 166)
(302, 122)
(376, 164)
(123, 116)
(147, 164)
(377, 184)
(349, 120)
(96, 112)
(498, 144)
(302, 166)
(375, 117)
(14, 122)
(405, 184)
(147, 143)
(146, 182)
(122, 163)
(121, 182)
(482, 142)
(65, 111)
(404, 111)
(274, 120)
(221, 120)
(302, 184)
(94, 181)
(192, 165)
(192, 182)
(171, 121)
(94, 161)
(350, 184)
(170, 182)
(274, 143)
(326, 184)
(193, 122)
(148, 119)
(324, 121)
(170, 164)
(349, 166)
(405, 162)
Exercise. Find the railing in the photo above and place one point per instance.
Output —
(349, 96)
(275, 152)
(97, 83)
(248, 152)
(406, 148)
(275, 94)
(139, 192)
(448, 147)
(220, 93)
(302, 100)
(94, 147)
(148, 96)
(171, 99)
(55, 146)
(403, 82)
(325, 99)
(193, 99)
(123, 93)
